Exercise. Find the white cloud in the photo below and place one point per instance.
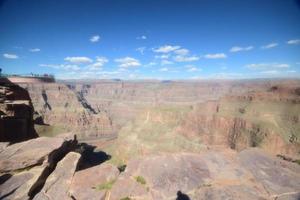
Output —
(141, 50)
(150, 64)
(166, 49)
(164, 69)
(215, 56)
(62, 66)
(10, 56)
(128, 62)
(143, 37)
(100, 61)
(78, 60)
(181, 58)
(35, 50)
(237, 48)
(182, 51)
(163, 56)
(271, 72)
(295, 41)
(193, 69)
(166, 62)
(95, 38)
(269, 46)
(267, 65)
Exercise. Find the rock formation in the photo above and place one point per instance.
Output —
(16, 113)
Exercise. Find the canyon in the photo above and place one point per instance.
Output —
(114, 139)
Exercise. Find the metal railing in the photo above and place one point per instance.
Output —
(27, 75)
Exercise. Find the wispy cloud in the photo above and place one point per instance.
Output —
(267, 65)
(269, 46)
(35, 50)
(238, 48)
(78, 60)
(141, 50)
(192, 68)
(142, 37)
(10, 56)
(182, 51)
(181, 58)
(164, 69)
(163, 56)
(166, 62)
(215, 56)
(166, 49)
(62, 66)
(95, 38)
(128, 62)
(295, 41)
(270, 72)
(150, 64)
(100, 62)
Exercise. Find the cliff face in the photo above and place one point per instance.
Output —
(267, 119)
(235, 114)
(64, 110)
(101, 109)
(16, 113)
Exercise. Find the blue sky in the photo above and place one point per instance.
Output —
(157, 39)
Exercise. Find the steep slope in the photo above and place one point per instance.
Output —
(268, 119)
(16, 113)
(62, 110)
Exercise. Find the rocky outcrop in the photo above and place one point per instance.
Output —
(58, 183)
(63, 110)
(52, 172)
(278, 178)
(208, 175)
(16, 113)
(31, 153)
(85, 184)
(25, 166)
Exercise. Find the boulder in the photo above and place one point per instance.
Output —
(58, 183)
(19, 185)
(29, 153)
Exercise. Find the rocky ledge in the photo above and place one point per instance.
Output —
(27, 167)
(49, 168)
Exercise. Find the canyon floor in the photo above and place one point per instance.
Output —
(113, 139)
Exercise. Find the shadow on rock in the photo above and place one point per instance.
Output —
(4, 178)
(7, 194)
(16, 113)
(182, 196)
(90, 157)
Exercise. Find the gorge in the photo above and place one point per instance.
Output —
(114, 139)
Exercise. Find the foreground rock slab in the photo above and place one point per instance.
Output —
(30, 153)
(85, 182)
(226, 174)
(58, 183)
(19, 185)
(25, 166)
(278, 177)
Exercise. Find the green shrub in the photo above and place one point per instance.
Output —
(105, 186)
(140, 180)
(125, 198)
(121, 168)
